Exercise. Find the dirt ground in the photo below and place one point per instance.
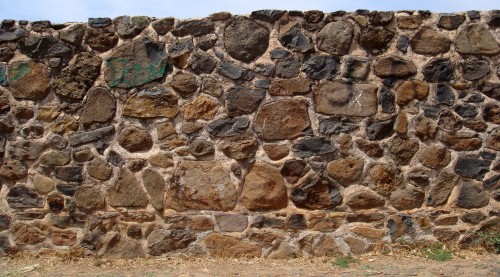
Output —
(393, 264)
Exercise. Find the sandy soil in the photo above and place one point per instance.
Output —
(392, 264)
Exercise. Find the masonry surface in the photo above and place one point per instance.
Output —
(278, 134)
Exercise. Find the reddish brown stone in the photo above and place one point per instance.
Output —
(63, 238)
(425, 129)
(383, 178)
(411, 89)
(220, 246)
(365, 198)
(347, 170)
(290, 87)
(434, 156)
(461, 141)
(263, 188)
(371, 148)
(338, 98)
(276, 151)
(202, 107)
(408, 198)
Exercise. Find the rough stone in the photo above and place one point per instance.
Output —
(135, 63)
(429, 42)
(89, 198)
(293, 170)
(99, 169)
(403, 150)
(43, 184)
(241, 100)
(425, 129)
(288, 68)
(163, 26)
(383, 178)
(115, 245)
(434, 156)
(126, 191)
(155, 186)
(491, 113)
(233, 71)
(135, 139)
(200, 185)
(319, 67)
(471, 167)
(13, 170)
(232, 222)
(239, 147)
(290, 119)
(99, 109)
(221, 246)
(411, 89)
(163, 241)
(312, 146)
(204, 64)
(449, 121)
(20, 196)
(336, 98)
(444, 95)
(346, 170)
(27, 234)
(450, 21)
(471, 196)
(63, 238)
(407, 198)
(372, 149)
(150, 103)
(184, 84)
(295, 40)
(228, 127)
(364, 198)
(12, 34)
(375, 40)
(334, 125)
(245, 40)
(335, 37)
(438, 70)
(90, 136)
(69, 173)
(129, 27)
(202, 107)
(74, 81)
(316, 193)
(394, 66)
(45, 47)
(263, 188)
(380, 130)
(193, 28)
(267, 15)
(409, 21)
(356, 67)
(474, 69)
(493, 141)
(28, 80)
(476, 39)
(461, 141)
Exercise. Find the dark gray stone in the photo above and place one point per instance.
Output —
(99, 22)
(387, 99)
(471, 196)
(279, 53)
(380, 130)
(267, 15)
(473, 217)
(129, 27)
(474, 69)
(494, 18)
(321, 66)
(473, 14)
(245, 40)
(472, 167)
(297, 222)
(233, 71)
(180, 47)
(204, 64)
(205, 43)
(431, 111)
(228, 127)
(4, 222)
(329, 126)
(316, 193)
(3, 75)
(265, 69)
(444, 95)
(69, 173)
(438, 70)
(46, 47)
(241, 100)
(403, 42)
(313, 146)
(467, 110)
(115, 159)
(12, 35)
(261, 221)
(86, 137)
(375, 40)
(164, 241)
(193, 28)
(164, 25)
(288, 68)
(20, 196)
(295, 40)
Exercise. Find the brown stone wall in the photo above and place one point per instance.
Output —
(278, 134)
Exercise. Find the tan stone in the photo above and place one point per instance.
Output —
(429, 42)
(401, 124)
(202, 107)
(461, 141)
(368, 231)
(220, 246)
(409, 21)
(48, 113)
(64, 125)
(127, 191)
(365, 199)
(165, 129)
(163, 159)
(347, 170)
(43, 184)
(276, 151)
(200, 185)
(338, 98)
(263, 188)
(434, 156)
(99, 169)
(89, 198)
(150, 103)
(290, 87)
(411, 89)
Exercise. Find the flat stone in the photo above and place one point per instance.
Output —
(319, 67)
(407, 198)
(241, 100)
(368, 232)
(163, 26)
(429, 42)
(245, 40)
(162, 159)
(196, 223)
(261, 221)
(473, 217)
(12, 35)
(409, 21)
(127, 191)
(228, 127)
(90, 136)
(27, 234)
(450, 21)
(276, 151)
(335, 37)
(475, 69)
(63, 238)
(135, 139)
(288, 68)
(434, 156)
(99, 109)
(403, 149)
(73, 34)
(371, 149)
(383, 178)
(472, 167)
(356, 67)
(220, 246)
(150, 103)
(338, 98)
(290, 119)
(202, 107)
(99, 22)
(239, 147)
(438, 70)
(163, 241)
(99, 169)
(75, 80)
(193, 28)
(43, 184)
(365, 198)
(129, 27)
(89, 198)
(101, 39)
(200, 185)
(335, 125)
(232, 222)
(28, 80)
(200, 147)
(380, 130)
(155, 186)
(184, 84)
(375, 40)
(135, 63)
(461, 141)
(267, 15)
(220, 16)
(312, 146)
(26, 149)
(476, 39)
(115, 245)
(263, 188)
(346, 170)
(234, 71)
(316, 193)
(394, 66)
(290, 87)
(444, 95)
(295, 40)
(212, 87)
(471, 196)
(69, 173)
(20, 196)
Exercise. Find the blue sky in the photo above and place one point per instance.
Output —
(79, 10)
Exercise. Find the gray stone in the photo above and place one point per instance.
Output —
(20, 196)
(333, 125)
(380, 130)
(316, 193)
(136, 63)
(204, 64)
(155, 186)
(335, 38)
(12, 35)
(69, 173)
(267, 15)
(472, 167)
(232, 222)
(320, 67)
(129, 27)
(127, 191)
(73, 34)
(45, 47)
(228, 127)
(438, 70)
(99, 22)
(241, 100)
(474, 69)
(288, 68)
(163, 26)
(90, 136)
(429, 42)
(181, 47)
(233, 71)
(476, 39)
(312, 146)
(193, 28)
(471, 196)
(295, 40)
(444, 95)
(99, 109)
(26, 149)
(163, 241)
(245, 40)
(89, 198)
(200, 147)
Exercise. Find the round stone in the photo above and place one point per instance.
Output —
(335, 38)
(135, 139)
(245, 40)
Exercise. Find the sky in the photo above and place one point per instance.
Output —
(80, 10)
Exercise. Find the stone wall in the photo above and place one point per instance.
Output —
(278, 134)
